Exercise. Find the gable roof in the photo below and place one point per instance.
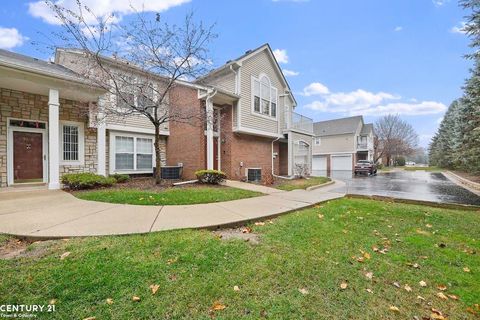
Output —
(337, 126)
(367, 128)
(46, 68)
(246, 55)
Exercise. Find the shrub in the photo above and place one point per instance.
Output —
(210, 176)
(79, 181)
(380, 166)
(120, 178)
(400, 161)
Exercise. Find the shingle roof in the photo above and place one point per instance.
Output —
(336, 126)
(367, 128)
(9, 58)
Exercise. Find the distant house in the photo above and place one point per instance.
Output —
(339, 143)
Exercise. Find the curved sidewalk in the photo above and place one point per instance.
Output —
(58, 214)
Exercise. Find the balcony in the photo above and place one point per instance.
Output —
(362, 146)
(297, 122)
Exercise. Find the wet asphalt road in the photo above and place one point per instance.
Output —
(415, 185)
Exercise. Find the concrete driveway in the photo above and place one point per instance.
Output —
(414, 185)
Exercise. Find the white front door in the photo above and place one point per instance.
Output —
(342, 162)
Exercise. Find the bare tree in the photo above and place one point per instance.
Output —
(139, 62)
(395, 137)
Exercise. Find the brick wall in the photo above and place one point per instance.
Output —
(186, 142)
(28, 106)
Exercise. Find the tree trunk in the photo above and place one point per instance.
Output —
(158, 160)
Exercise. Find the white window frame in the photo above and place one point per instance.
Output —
(81, 143)
(135, 136)
(270, 98)
(318, 141)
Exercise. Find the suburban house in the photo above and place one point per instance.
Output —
(51, 122)
(339, 143)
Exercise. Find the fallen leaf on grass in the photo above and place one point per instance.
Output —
(52, 301)
(407, 288)
(453, 297)
(422, 283)
(369, 290)
(246, 230)
(435, 316)
(442, 287)
(136, 299)
(428, 226)
(394, 309)
(64, 255)
(236, 288)
(172, 260)
(109, 301)
(466, 269)
(369, 275)
(90, 318)
(420, 298)
(413, 265)
(442, 296)
(259, 223)
(303, 291)
(343, 285)
(396, 284)
(154, 288)
(217, 306)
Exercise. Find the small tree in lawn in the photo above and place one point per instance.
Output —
(139, 62)
(395, 137)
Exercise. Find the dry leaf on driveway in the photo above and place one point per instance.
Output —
(154, 288)
(217, 306)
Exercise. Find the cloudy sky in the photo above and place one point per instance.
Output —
(342, 58)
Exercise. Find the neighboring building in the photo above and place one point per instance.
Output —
(339, 143)
(49, 118)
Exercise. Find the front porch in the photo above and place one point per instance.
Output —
(44, 125)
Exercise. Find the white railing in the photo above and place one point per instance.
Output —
(295, 121)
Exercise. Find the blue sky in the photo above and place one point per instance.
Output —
(367, 57)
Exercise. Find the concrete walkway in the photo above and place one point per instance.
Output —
(57, 214)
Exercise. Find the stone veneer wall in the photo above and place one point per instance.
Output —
(28, 106)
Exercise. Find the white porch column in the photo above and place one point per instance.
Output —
(101, 140)
(209, 114)
(290, 154)
(53, 140)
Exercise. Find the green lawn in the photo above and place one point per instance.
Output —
(289, 185)
(432, 168)
(173, 196)
(314, 250)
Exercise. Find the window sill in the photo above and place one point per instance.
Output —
(72, 163)
(264, 116)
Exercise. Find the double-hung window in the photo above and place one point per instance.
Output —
(133, 153)
(264, 97)
(71, 143)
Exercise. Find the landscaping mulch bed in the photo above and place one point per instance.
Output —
(469, 176)
(148, 184)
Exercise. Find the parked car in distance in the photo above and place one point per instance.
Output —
(365, 166)
(410, 163)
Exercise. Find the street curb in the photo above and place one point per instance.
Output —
(321, 185)
(417, 202)
(465, 183)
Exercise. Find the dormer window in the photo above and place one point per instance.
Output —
(264, 97)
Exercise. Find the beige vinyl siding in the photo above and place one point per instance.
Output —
(254, 66)
(335, 143)
(225, 80)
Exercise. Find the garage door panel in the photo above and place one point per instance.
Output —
(341, 162)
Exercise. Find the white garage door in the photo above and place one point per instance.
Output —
(319, 163)
(341, 162)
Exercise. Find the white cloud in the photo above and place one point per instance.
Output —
(281, 55)
(439, 3)
(11, 38)
(101, 8)
(315, 88)
(398, 29)
(460, 28)
(362, 102)
(290, 73)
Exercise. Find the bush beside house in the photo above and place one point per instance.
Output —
(210, 176)
(81, 181)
